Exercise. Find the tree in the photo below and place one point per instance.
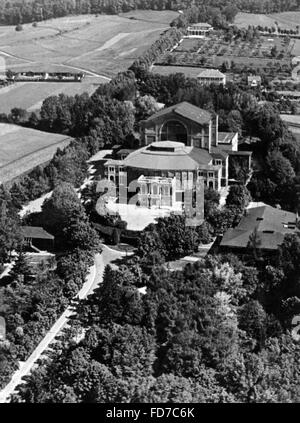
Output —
(10, 234)
(279, 168)
(254, 242)
(145, 106)
(115, 236)
(60, 208)
(253, 320)
(238, 196)
(21, 270)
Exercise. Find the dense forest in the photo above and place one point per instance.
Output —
(18, 12)
(215, 332)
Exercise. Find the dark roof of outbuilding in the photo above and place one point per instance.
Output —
(35, 232)
(217, 153)
(271, 224)
(186, 110)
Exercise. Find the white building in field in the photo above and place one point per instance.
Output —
(212, 76)
(199, 30)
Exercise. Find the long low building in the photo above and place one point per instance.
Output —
(262, 228)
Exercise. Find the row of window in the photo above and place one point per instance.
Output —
(155, 190)
(210, 174)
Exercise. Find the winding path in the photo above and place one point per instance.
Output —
(93, 279)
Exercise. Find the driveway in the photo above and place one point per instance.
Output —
(93, 279)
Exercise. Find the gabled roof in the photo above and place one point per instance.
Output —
(101, 155)
(271, 224)
(211, 73)
(35, 232)
(186, 110)
(201, 25)
(217, 153)
(226, 137)
(113, 162)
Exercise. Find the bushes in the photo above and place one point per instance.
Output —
(166, 41)
(31, 306)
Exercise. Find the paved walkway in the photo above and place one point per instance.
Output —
(93, 279)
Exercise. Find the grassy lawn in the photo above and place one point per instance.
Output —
(190, 72)
(21, 149)
(286, 20)
(103, 45)
(100, 44)
(296, 49)
(291, 119)
(30, 95)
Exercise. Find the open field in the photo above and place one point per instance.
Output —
(21, 149)
(98, 46)
(102, 45)
(30, 95)
(190, 72)
(291, 119)
(285, 20)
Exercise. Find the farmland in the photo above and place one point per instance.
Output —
(188, 71)
(273, 55)
(21, 149)
(99, 46)
(285, 20)
(30, 95)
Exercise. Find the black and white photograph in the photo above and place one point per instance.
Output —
(149, 205)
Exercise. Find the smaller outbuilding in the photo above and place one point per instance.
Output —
(37, 238)
(212, 76)
(254, 81)
(264, 226)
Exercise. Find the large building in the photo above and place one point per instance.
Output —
(199, 30)
(212, 76)
(180, 148)
(265, 225)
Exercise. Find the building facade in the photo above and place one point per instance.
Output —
(180, 149)
(212, 76)
(199, 30)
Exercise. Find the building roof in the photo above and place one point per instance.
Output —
(211, 73)
(200, 25)
(35, 232)
(240, 153)
(186, 110)
(169, 155)
(113, 162)
(226, 137)
(272, 225)
(125, 151)
(102, 154)
(217, 153)
(256, 78)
